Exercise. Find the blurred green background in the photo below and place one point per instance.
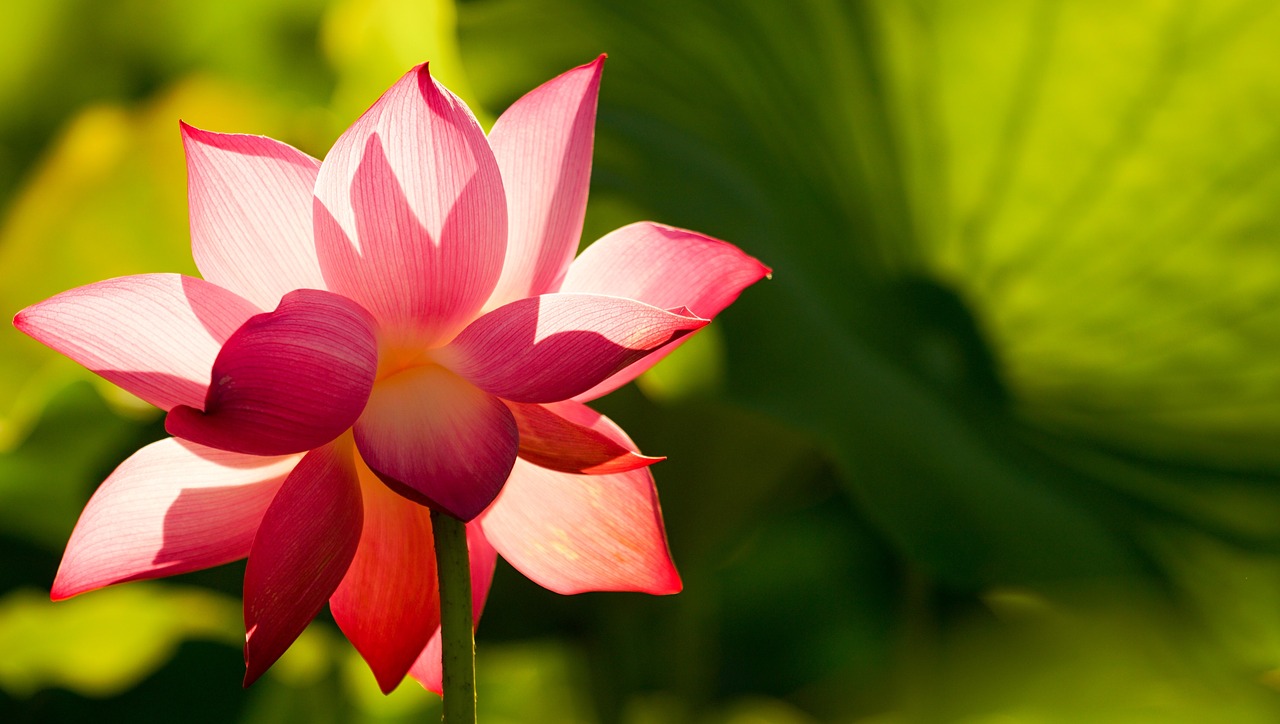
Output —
(998, 443)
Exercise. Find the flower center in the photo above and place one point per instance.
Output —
(393, 359)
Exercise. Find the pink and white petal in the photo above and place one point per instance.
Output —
(549, 438)
(543, 145)
(287, 381)
(427, 669)
(666, 267)
(155, 335)
(552, 347)
(172, 507)
(250, 200)
(387, 604)
(574, 533)
(438, 440)
(300, 554)
(410, 214)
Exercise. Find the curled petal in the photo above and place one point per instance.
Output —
(410, 214)
(250, 200)
(560, 436)
(172, 507)
(427, 669)
(307, 539)
(387, 605)
(575, 533)
(543, 146)
(437, 439)
(552, 347)
(287, 381)
(666, 267)
(155, 335)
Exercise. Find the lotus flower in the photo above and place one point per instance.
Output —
(399, 328)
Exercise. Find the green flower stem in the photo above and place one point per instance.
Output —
(457, 633)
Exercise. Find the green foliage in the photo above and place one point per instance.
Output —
(102, 645)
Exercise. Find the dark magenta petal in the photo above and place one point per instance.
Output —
(552, 347)
(307, 539)
(286, 381)
(438, 439)
(562, 436)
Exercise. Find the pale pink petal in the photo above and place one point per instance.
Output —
(666, 267)
(437, 439)
(387, 605)
(288, 380)
(410, 215)
(250, 200)
(552, 347)
(172, 507)
(307, 539)
(543, 145)
(575, 533)
(560, 436)
(427, 669)
(155, 335)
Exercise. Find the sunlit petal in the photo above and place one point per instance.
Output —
(155, 335)
(172, 507)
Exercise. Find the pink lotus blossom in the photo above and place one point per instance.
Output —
(401, 326)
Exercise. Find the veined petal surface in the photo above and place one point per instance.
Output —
(427, 669)
(308, 536)
(574, 533)
(666, 267)
(387, 604)
(437, 439)
(172, 507)
(410, 213)
(251, 208)
(543, 145)
(563, 436)
(155, 335)
(287, 381)
(554, 346)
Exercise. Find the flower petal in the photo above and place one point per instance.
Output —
(410, 215)
(552, 347)
(288, 380)
(575, 533)
(543, 146)
(437, 439)
(387, 604)
(172, 507)
(250, 199)
(155, 335)
(560, 436)
(666, 267)
(427, 669)
(307, 539)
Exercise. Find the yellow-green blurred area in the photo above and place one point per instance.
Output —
(998, 443)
